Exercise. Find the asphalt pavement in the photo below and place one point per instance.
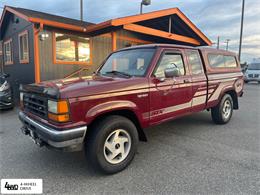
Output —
(190, 155)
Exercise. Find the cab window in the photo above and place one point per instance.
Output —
(169, 60)
(195, 62)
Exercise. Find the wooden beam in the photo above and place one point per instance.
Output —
(159, 33)
(37, 74)
(142, 17)
(57, 24)
(113, 34)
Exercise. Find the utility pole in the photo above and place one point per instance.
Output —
(227, 41)
(241, 30)
(81, 10)
(218, 42)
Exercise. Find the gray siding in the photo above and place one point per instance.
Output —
(19, 73)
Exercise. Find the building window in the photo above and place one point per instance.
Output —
(8, 52)
(23, 47)
(71, 49)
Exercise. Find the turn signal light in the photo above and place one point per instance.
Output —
(59, 117)
(62, 107)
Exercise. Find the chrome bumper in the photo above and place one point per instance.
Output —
(70, 138)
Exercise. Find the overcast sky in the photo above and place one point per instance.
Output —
(213, 17)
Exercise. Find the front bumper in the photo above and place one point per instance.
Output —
(70, 139)
(248, 79)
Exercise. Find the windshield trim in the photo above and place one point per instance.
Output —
(146, 72)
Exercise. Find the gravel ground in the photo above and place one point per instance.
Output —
(190, 155)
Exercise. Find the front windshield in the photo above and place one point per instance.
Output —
(254, 66)
(129, 62)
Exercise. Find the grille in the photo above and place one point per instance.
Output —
(36, 105)
(250, 75)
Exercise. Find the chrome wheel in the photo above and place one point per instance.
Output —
(117, 146)
(227, 107)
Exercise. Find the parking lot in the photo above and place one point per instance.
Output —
(190, 155)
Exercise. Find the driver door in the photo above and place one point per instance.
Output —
(170, 97)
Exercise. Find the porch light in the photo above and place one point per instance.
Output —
(43, 36)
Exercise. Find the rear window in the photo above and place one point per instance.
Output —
(230, 61)
(221, 61)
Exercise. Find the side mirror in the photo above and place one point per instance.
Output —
(171, 72)
(6, 75)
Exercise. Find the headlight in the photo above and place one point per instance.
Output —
(21, 96)
(52, 106)
(58, 110)
(4, 87)
(21, 99)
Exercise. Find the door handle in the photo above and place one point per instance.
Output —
(186, 81)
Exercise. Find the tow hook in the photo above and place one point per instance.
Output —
(39, 142)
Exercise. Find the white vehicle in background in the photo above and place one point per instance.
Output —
(253, 73)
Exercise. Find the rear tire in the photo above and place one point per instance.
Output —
(111, 144)
(222, 113)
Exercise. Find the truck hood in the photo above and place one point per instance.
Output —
(93, 85)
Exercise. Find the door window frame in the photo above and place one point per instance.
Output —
(190, 65)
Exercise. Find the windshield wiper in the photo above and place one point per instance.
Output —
(119, 73)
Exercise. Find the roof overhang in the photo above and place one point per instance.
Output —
(42, 21)
(129, 23)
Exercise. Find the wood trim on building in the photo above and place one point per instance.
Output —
(37, 69)
(55, 61)
(26, 61)
(134, 40)
(57, 24)
(159, 33)
(114, 41)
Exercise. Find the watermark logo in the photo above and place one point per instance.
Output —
(11, 187)
(21, 186)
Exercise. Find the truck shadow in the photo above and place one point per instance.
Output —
(75, 164)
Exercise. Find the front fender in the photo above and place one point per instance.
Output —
(110, 107)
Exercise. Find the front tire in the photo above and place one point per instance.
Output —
(111, 145)
(222, 113)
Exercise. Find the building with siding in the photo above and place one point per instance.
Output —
(36, 46)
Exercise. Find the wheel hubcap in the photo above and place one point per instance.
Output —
(226, 109)
(117, 146)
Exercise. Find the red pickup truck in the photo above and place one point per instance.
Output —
(133, 89)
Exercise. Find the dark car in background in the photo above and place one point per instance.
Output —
(253, 73)
(6, 97)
